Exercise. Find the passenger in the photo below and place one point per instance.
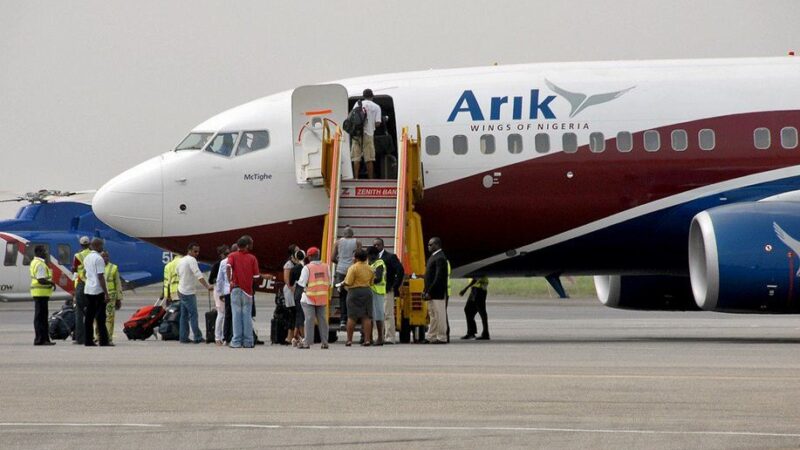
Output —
(435, 292)
(314, 285)
(343, 253)
(228, 324)
(476, 304)
(364, 145)
(97, 295)
(378, 290)
(359, 298)
(78, 298)
(222, 294)
(114, 285)
(188, 274)
(395, 275)
(288, 293)
(243, 272)
(41, 290)
(299, 316)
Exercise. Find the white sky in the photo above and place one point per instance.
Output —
(90, 88)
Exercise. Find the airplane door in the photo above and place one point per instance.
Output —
(311, 105)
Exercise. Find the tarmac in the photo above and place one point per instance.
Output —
(556, 374)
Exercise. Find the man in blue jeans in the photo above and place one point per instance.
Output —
(188, 275)
(243, 272)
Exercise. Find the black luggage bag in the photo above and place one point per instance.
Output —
(62, 323)
(211, 321)
(170, 325)
(279, 325)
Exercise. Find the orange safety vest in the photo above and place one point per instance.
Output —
(319, 283)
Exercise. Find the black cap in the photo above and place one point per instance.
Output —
(368, 93)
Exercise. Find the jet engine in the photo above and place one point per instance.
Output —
(744, 258)
(645, 292)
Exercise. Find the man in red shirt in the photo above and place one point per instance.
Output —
(242, 273)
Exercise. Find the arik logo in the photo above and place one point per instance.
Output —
(537, 106)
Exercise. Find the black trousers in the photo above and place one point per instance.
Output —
(40, 320)
(95, 311)
(227, 327)
(476, 304)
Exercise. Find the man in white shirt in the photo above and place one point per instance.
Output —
(364, 145)
(96, 294)
(188, 275)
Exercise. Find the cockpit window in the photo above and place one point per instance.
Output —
(194, 141)
(222, 144)
(252, 141)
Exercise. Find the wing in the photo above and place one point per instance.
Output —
(601, 98)
(575, 99)
(791, 242)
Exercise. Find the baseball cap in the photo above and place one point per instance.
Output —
(84, 240)
(312, 251)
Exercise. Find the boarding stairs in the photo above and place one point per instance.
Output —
(369, 207)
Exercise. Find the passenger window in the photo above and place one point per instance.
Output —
(597, 143)
(624, 141)
(64, 254)
(680, 140)
(652, 140)
(11, 254)
(707, 139)
(28, 256)
(487, 144)
(761, 138)
(789, 137)
(570, 142)
(542, 142)
(432, 145)
(252, 141)
(460, 144)
(514, 143)
(222, 144)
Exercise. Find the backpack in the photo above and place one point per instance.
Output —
(354, 124)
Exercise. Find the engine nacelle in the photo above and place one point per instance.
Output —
(645, 292)
(744, 258)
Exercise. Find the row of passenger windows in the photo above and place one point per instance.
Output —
(223, 144)
(64, 254)
(679, 141)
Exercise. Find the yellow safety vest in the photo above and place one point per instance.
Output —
(171, 278)
(449, 283)
(379, 287)
(482, 283)
(111, 273)
(38, 289)
(319, 283)
(81, 271)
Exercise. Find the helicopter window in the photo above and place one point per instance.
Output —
(11, 254)
(194, 141)
(252, 141)
(28, 256)
(64, 254)
(222, 144)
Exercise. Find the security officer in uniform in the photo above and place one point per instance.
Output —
(41, 289)
(79, 299)
(114, 286)
(378, 287)
(171, 280)
(476, 304)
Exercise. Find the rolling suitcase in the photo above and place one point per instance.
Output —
(170, 325)
(211, 321)
(144, 321)
(62, 323)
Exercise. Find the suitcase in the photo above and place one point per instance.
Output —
(278, 331)
(62, 323)
(211, 321)
(170, 324)
(143, 322)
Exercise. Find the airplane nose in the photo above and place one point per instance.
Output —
(132, 202)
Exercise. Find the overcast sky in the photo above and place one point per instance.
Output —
(90, 88)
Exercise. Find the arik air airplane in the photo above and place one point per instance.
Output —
(676, 183)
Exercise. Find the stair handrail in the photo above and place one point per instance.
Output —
(331, 220)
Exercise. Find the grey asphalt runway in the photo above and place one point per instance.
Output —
(557, 374)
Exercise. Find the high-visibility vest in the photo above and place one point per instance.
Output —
(81, 271)
(319, 283)
(379, 287)
(449, 283)
(171, 278)
(482, 283)
(38, 289)
(111, 274)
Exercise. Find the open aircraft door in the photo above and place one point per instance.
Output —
(312, 108)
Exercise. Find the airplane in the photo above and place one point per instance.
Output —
(58, 226)
(666, 180)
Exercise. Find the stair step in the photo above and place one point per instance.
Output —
(368, 222)
(386, 202)
(371, 183)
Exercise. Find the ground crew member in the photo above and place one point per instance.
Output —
(476, 304)
(315, 283)
(41, 289)
(79, 297)
(170, 291)
(114, 286)
(378, 291)
(447, 300)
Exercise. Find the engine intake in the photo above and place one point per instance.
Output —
(645, 292)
